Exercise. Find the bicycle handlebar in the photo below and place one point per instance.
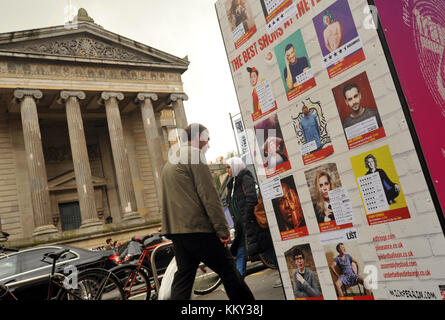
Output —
(55, 255)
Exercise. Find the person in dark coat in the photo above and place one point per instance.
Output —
(392, 190)
(250, 238)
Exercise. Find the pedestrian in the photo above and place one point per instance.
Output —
(109, 244)
(133, 250)
(193, 218)
(250, 238)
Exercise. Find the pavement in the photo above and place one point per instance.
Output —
(260, 280)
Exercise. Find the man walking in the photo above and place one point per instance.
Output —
(193, 218)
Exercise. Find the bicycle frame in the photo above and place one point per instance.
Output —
(145, 254)
(51, 283)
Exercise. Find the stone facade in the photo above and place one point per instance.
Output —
(85, 116)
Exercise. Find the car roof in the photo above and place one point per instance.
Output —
(55, 246)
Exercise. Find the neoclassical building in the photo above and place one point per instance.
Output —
(85, 116)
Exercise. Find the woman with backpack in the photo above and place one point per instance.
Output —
(250, 238)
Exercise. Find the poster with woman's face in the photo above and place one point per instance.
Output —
(273, 150)
(241, 21)
(358, 111)
(288, 211)
(349, 274)
(310, 127)
(339, 41)
(331, 202)
(379, 186)
(263, 101)
(303, 273)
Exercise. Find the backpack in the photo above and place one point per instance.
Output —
(259, 211)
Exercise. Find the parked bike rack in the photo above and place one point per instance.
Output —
(153, 263)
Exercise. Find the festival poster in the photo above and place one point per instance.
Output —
(331, 202)
(419, 58)
(241, 21)
(311, 129)
(263, 101)
(358, 111)
(277, 12)
(303, 273)
(288, 211)
(346, 265)
(339, 41)
(294, 65)
(272, 147)
(379, 186)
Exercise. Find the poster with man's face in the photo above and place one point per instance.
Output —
(348, 270)
(294, 65)
(289, 212)
(358, 111)
(241, 20)
(272, 147)
(339, 41)
(310, 127)
(303, 273)
(379, 186)
(331, 202)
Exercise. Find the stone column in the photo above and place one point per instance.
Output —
(82, 170)
(120, 155)
(154, 140)
(43, 222)
(178, 107)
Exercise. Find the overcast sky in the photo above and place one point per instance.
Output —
(179, 27)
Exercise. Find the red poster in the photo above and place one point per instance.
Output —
(288, 211)
(358, 111)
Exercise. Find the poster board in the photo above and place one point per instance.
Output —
(330, 57)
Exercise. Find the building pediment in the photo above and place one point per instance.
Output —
(67, 181)
(88, 42)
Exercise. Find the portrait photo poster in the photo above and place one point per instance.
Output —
(239, 14)
(379, 186)
(272, 147)
(263, 101)
(292, 51)
(339, 40)
(301, 266)
(288, 211)
(358, 111)
(311, 131)
(331, 203)
(346, 264)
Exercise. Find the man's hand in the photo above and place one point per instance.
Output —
(226, 241)
(300, 278)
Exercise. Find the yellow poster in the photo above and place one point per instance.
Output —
(379, 186)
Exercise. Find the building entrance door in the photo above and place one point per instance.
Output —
(70, 215)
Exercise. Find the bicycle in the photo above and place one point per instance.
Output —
(90, 284)
(144, 276)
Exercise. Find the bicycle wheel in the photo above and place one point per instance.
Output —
(93, 284)
(135, 281)
(206, 280)
(266, 261)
